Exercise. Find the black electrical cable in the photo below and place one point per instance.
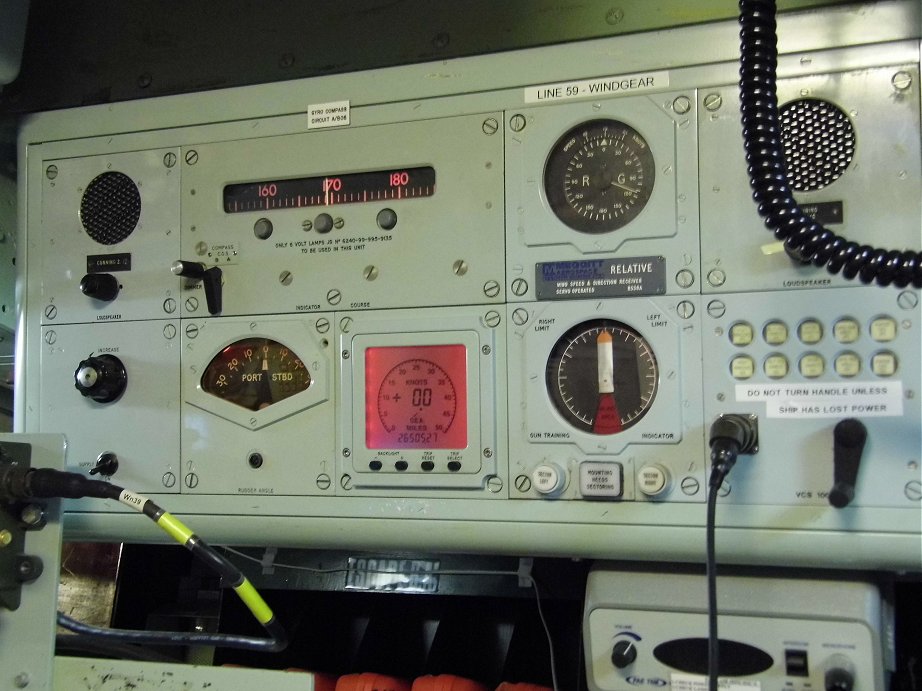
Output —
(18, 482)
(804, 239)
(711, 570)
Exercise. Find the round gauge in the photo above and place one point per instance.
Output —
(255, 373)
(599, 176)
(416, 397)
(602, 376)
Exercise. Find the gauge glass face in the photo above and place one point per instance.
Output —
(416, 397)
(254, 373)
(599, 176)
(602, 376)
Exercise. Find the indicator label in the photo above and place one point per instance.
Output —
(333, 114)
(98, 263)
(392, 575)
(594, 88)
(600, 278)
(826, 400)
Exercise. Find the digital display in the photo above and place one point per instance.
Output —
(327, 190)
(416, 397)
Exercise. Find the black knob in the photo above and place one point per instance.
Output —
(101, 377)
(623, 653)
(106, 464)
(839, 679)
(103, 287)
(849, 437)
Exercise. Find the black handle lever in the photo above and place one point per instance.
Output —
(848, 437)
(210, 278)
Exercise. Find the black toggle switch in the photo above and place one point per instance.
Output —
(211, 279)
(103, 287)
(106, 464)
(848, 437)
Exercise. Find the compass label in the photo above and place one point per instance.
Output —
(600, 278)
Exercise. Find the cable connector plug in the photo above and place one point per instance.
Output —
(19, 482)
(731, 434)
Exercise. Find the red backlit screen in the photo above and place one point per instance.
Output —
(416, 397)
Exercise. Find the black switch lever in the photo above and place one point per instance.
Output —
(848, 437)
(210, 278)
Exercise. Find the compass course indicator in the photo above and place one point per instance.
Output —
(602, 376)
(330, 190)
(599, 176)
(416, 397)
(255, 373)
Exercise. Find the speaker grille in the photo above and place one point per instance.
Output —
(819, 143)
(110, 208)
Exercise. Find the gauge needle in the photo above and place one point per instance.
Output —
(607, 419)
(623, 187)
(266, 388)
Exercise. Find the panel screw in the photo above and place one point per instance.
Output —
(168, 479)
(346, 482)
(486, 350)
(914, 490)
(51, 312)
(191, 480)
(519, 287)
(169, 332)
(907, 300)
(459, 267)
(517, 123)
(681, 105)
(345, 324)
(334, 297)
(6, 538)
(169, 159)
(520, 317)
(614, 16)
(717, 277)
(324, 481)
(685, 309)
(490, 126)
(51, 337)
(255, 460)
(191, 157)
(51, 172)
(717, 309)
(523, 483)
(345, 356)
(192, 331)
(494, 484)
(285, 278)
(901, 81)
(713, 102)
(347, 452)
(370, 273)
(22, 680)
(492, 319)
(690, 486)
(491, 289)
(322, 325)
(488, 453)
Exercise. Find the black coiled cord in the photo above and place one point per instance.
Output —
(805, 240)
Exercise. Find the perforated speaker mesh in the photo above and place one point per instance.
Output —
(819, 143)
(110, 208)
